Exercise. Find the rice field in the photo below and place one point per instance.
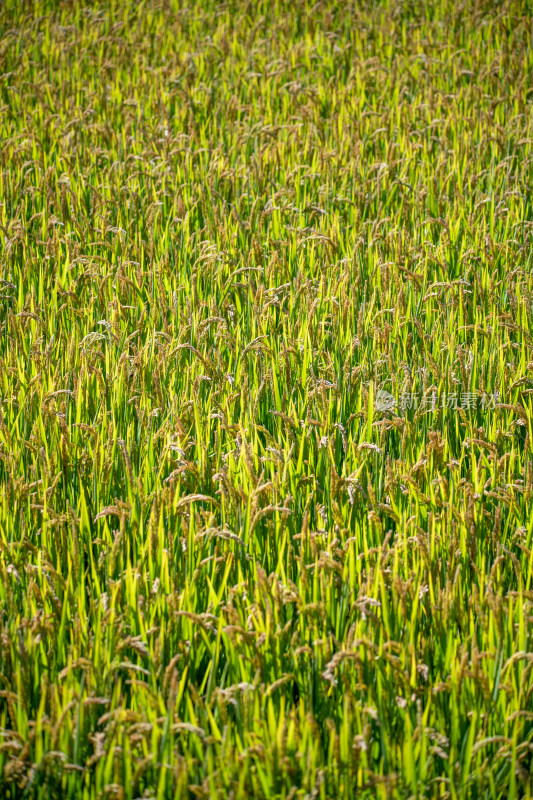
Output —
(266, 412)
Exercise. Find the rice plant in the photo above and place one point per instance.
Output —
(266, 413)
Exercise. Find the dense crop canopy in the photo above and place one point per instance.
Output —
(266, 366)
